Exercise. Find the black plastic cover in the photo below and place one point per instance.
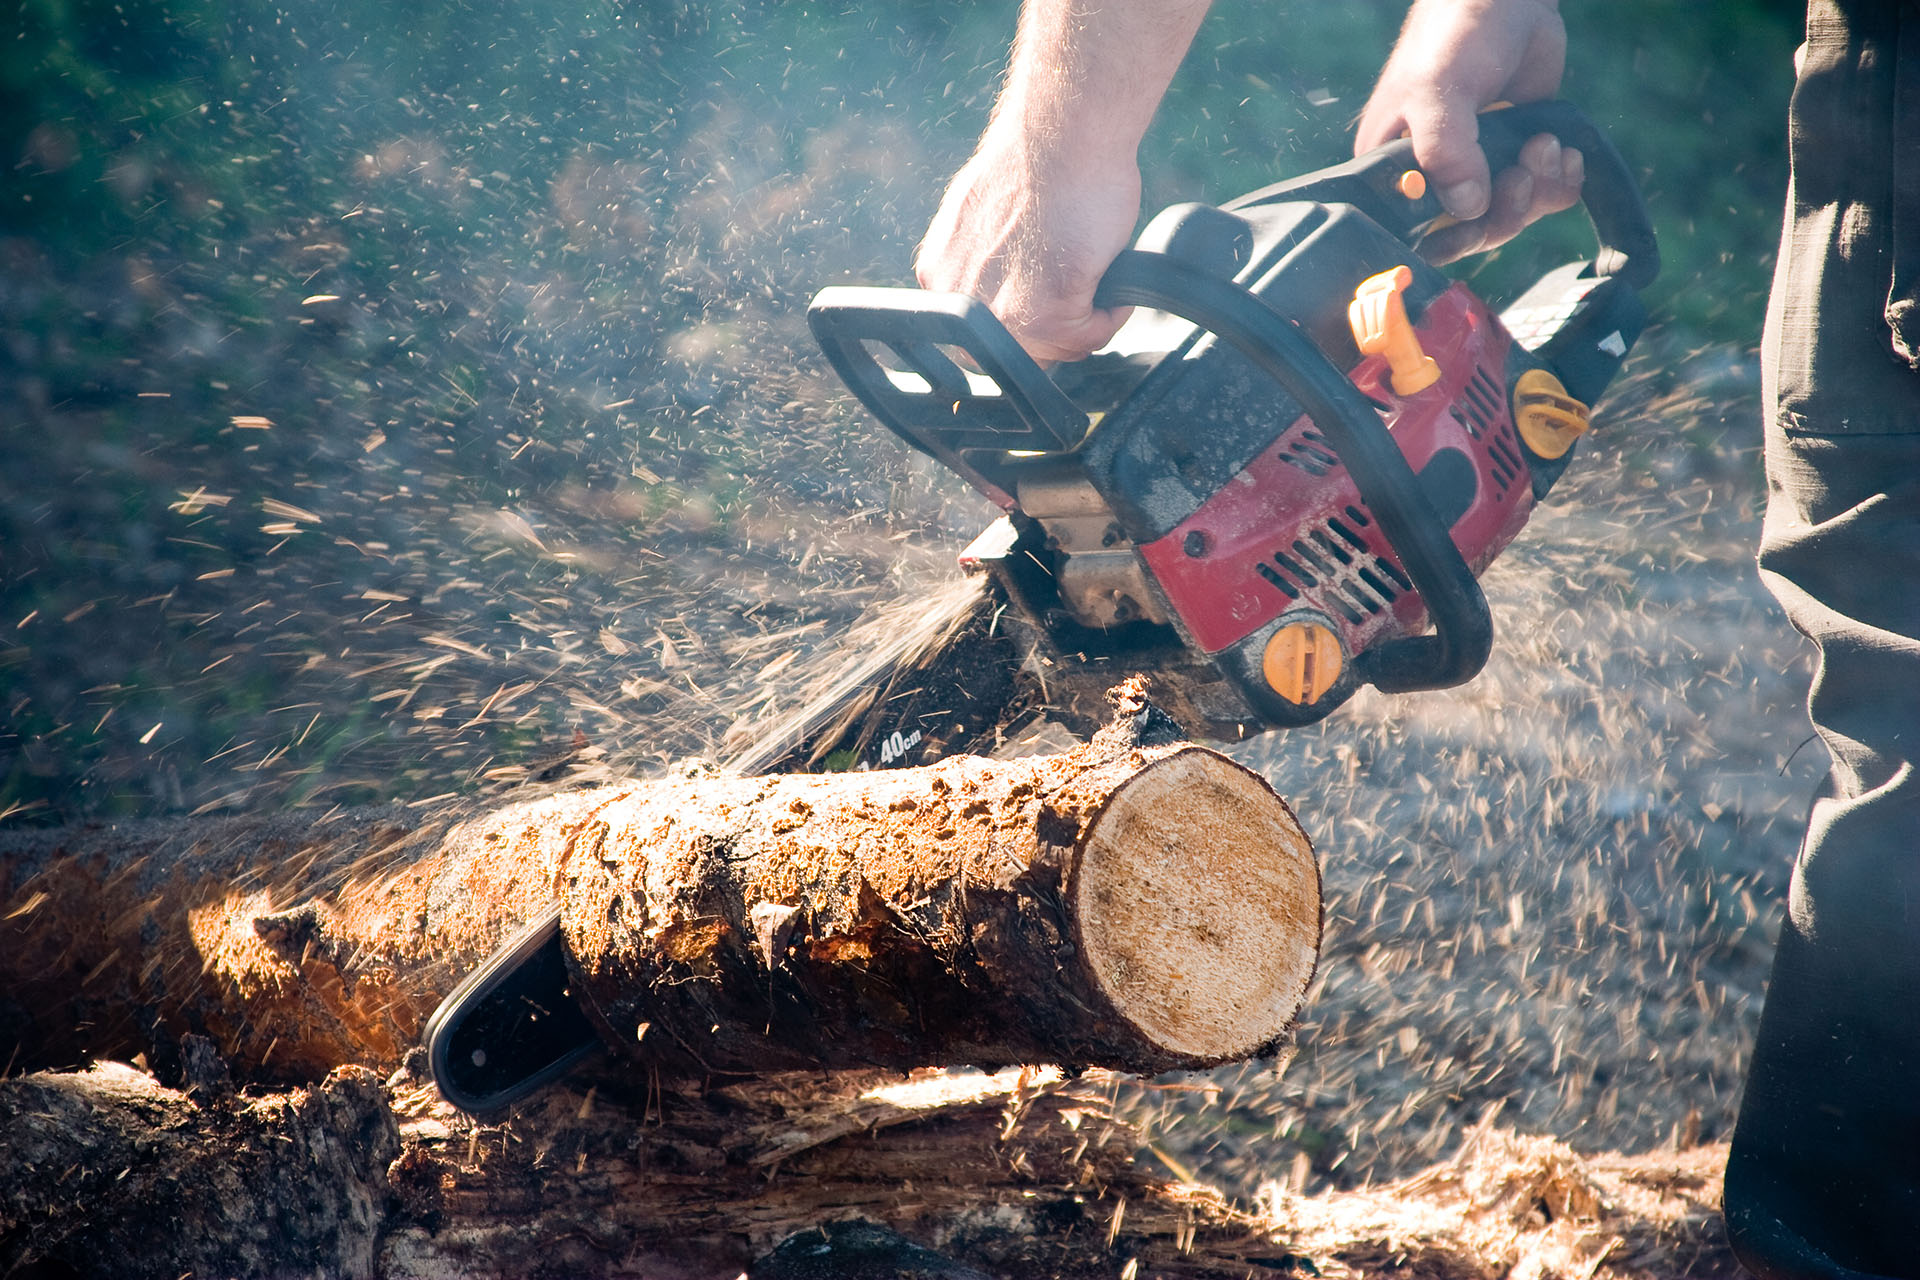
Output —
(511, 1027)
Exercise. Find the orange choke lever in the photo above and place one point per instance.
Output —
(1378, 315)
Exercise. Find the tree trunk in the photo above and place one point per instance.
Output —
(1128, 906)
(1137, 903)
(1021, 1174)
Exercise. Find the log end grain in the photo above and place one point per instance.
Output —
(1196, 901)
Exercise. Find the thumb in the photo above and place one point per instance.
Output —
(1446, 142)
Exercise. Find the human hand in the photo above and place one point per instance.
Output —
(1030, 234)
(1454, 58)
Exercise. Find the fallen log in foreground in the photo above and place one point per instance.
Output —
(1019, 1174)
(1129, 906)
(1137, 903)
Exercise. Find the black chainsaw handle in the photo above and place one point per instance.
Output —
(1463, 626)
(945, 414)
(1627, 248)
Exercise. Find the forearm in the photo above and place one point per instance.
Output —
(1087, 75)
(1052, 193)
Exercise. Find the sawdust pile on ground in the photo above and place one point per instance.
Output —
(1509, 1207)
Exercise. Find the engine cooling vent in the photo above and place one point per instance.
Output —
(1334, 562)
(1482, 411)
(1483, 405)
(1309, 451)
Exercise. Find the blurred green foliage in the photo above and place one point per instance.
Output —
(119, 115)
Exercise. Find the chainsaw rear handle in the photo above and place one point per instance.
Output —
(1463, 627)
(1627, 248)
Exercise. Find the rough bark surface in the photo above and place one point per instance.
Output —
(297, 944)
(1125, 905)
(715, 923)
(1018, 1174)
(109, 1173)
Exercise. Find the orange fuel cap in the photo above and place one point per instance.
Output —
(1302, 661)
(1549, 419)
(1380, 327)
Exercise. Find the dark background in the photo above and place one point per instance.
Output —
(517, 287)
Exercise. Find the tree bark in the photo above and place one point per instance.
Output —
(1137, 903)
(1123, 905)
(109, 1173)
(1020, 1174)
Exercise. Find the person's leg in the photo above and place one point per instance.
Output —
(1824, 1179)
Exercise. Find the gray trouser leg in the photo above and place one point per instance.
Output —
(1825, 1174)
(1824, 1179)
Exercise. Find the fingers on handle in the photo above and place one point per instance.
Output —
(1057, 343)
(1446, 141)
(1546, 180)
(1381, 121)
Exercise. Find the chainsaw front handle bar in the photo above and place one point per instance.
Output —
(1372, 182)
(1463, 626)
(964, 421)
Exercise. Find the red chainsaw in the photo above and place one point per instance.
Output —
(1289, 495)
(1281, 484)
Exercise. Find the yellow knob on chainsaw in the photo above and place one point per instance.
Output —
(1549, 419)
(1302, 662)
(1378, 315)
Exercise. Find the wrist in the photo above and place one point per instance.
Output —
(1057, 152)
(1064, 126)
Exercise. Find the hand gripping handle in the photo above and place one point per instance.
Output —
(1612, 198)
(1374, 182)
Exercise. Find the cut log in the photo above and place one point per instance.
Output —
(297, 943)
(1138, 903)
(1137, 907)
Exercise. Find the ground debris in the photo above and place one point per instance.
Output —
(1022, 1172)
(1514, 1207)
(107, 1172)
